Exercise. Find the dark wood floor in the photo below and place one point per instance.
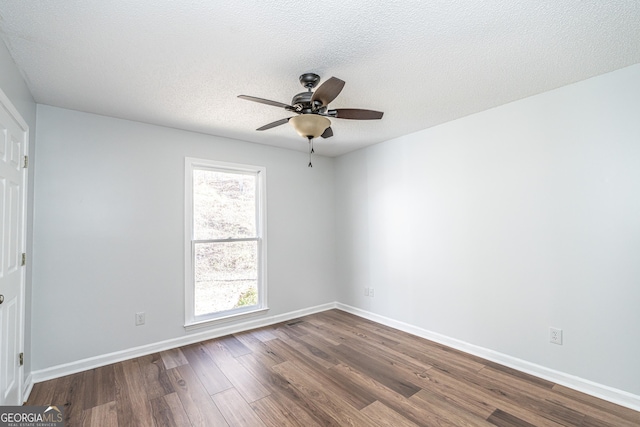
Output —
(327, 369)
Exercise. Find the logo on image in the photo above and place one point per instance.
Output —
(31, 416)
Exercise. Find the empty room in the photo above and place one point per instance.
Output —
(342, 213)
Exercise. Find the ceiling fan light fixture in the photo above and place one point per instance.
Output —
(310, 125)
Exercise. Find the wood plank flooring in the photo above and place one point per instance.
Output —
(327, 369)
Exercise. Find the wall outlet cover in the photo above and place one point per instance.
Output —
(140, 318)
(555, 336)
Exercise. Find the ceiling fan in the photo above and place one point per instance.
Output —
(312, 109)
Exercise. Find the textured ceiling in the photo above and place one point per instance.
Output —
(182, 63)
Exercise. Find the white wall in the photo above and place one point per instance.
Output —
(109, 231)
(13, 85)
(492, 228)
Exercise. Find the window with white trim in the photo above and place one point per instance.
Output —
(225, 240)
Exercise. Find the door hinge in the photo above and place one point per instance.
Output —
(21, 359)
(26, 161)
(24, 259)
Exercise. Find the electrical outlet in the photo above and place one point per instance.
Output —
(366, 292)
(140, 318)
(371, 292)
(555, 336)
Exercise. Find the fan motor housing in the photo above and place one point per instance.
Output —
(302, 103)
(303, 99)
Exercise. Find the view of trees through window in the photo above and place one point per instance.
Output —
(226, 240)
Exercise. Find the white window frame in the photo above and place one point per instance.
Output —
(191, 320)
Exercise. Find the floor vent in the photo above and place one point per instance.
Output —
(295, 322)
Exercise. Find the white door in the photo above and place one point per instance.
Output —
(13, 145)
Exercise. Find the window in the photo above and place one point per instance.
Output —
(225, 240)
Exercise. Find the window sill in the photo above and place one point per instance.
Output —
(201, 324)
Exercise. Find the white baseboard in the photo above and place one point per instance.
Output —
(601, 391)
(27, 387)
(118, 356)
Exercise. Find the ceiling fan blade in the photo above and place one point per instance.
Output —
(328, 133)
(274, 124)
(356, 114)
(328, 91)
(266, 101)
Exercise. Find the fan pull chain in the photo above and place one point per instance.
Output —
(310, 151)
